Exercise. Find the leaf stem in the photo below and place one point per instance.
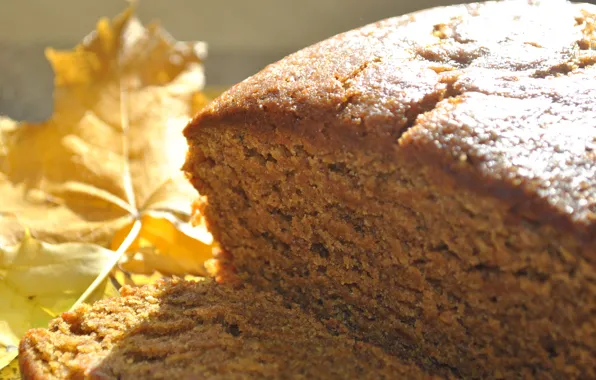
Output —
(125, 124)
(130, 238)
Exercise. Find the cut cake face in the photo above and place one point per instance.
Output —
(201, 330)
(427, 183)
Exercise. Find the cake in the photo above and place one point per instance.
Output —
(184, 330)
(425, 184)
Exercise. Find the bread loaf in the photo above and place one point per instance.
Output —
(426, 184)
(182, 330)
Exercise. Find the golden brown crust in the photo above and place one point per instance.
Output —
(426, 183)
(363, 89)
(533, 150)
(490, 109)
(28, 365)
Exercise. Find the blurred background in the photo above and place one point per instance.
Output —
(242, 35)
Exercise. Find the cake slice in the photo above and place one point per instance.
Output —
(426, 183)
(183, 330)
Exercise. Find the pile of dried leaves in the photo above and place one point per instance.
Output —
(94, 197)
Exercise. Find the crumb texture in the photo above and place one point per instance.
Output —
(364, 89)
(425, 184)
(200, 330)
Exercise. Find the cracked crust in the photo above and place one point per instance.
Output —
(425, 183)
(363, 89)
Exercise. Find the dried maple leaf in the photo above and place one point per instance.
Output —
(11, 371)
(106, 164)
(40, 280)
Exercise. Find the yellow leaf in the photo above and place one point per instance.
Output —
(40, 280)
(167, 245)
(11, 230)
(10, 372)
(111, 153)
(132, 279)
(7, 360)
(104, 169)
(111, 290)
